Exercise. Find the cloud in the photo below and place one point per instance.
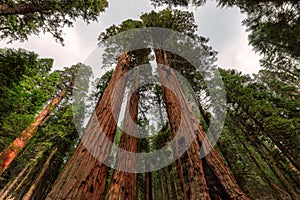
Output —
(45, 46)
(237, 54)
(219, 25)
(222, 26)
(227, 36)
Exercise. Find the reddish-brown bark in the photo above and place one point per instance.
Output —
(148, 186)
(179, 113)
(191, 126)
(217, 165)
(84, 176)
(10, 153)
(122, 183)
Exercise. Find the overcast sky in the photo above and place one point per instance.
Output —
(222, 26)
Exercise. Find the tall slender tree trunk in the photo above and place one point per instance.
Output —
(174, 190)
(122, 183)
(269, 180)
(148, 186)
(165, 176)
(41, 174)
(188, 121)
(291, 172)
(84, 176)
(10, 153)
(270, 161)
(12, 183)
(163, 192)
(19, 185)
(189, 165)
(288, 152)
(148, 176)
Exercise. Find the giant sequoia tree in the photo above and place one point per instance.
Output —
(64, 87)
(26, 86)
(84, 176)
(257, 155)
(77, 183)
(9, 154)
(34, 170)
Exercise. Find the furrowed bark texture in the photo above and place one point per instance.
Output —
(189, 122)
(84, 176)
(10, 153)
(189, 165)
(122, 183)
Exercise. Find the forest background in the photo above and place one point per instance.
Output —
(256, 157)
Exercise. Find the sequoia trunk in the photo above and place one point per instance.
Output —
(84, 176)
(122, 183)
(10, 153)
(189, 165)
(193, 163)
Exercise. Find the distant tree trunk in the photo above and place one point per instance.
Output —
(41, 174)
(189, 165)
(270, 161)
(165, 176)
(290, 172)
(10, 153)
(12, 183)
(148, 178)
(174, 190)
(84, 176)
(194, 164)
(148, 186)
(269, 180)
(122, 183)
(163, 192)
(19, 186)
(288, 151)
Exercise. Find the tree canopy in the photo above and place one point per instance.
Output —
(20, 19)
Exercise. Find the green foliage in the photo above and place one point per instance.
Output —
(102, 83)
(124, 26)
(26, 86)
(264, 112)
(18, 19)
(58, 132)
(175, 3)
(275, 33)
(177, 20)
(181, 21)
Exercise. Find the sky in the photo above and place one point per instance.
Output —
(222, 26)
